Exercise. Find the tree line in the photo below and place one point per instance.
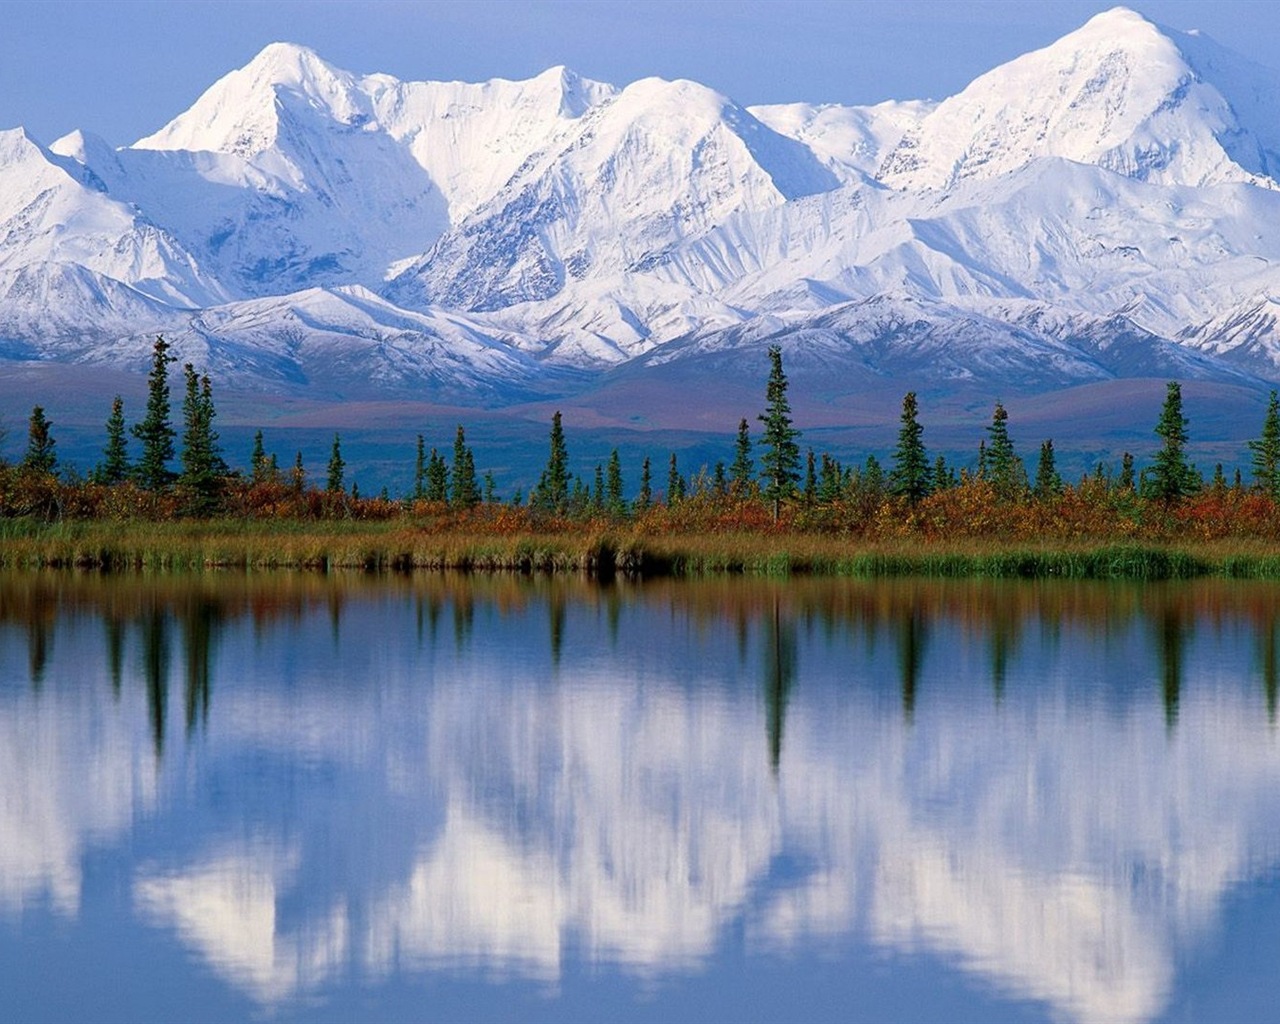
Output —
(768, 471)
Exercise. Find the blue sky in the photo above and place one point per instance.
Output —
(122, 69)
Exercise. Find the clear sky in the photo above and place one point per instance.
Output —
(122, 69)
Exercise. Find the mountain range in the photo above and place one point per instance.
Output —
(1104, 209)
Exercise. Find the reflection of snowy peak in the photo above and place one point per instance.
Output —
(1124, 173)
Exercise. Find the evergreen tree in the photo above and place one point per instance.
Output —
(465, 492)
(490, 488)
(1048, 482)
(910, 476)
(1266, 452)
(830, 479)
(1172, 476)
(40, 456)
(298, 476)
(202, 466)
(613, 486)
(720, 480)
(1127, 480)
(337, 466)
(780, 462)
(810, 478)
(420, 471)
(553, 487)
(115, 457)
(259, 464)
(743, 469)
(1004, 468)
(437, 478)
(943, 477)
(155, 431)
(645, 498)
(675, 482)
(1219, 481)
(597, 492)
(873, 480)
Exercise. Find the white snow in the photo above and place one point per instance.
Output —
(480, 234)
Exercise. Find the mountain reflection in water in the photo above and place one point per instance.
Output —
(1052, 788)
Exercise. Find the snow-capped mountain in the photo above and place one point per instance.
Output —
(1107, 206)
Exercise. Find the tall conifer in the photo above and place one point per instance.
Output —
(1172, 476)
(155, 431)
(337, 468)
(40, 456)
(743, 470)
(909, 477)
(115, 456)
(1266, 452)
(780, 460)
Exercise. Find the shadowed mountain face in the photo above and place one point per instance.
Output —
(1103, 209)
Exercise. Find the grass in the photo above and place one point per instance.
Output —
(397, 546)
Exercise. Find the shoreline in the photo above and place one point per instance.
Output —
(198, 546)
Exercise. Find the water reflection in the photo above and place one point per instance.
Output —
(1052, 788)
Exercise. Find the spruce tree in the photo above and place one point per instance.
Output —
(298, 475)
(943, 477)
(719, 480)
(1004, 468)
(829, 480)
(614, 500)
(115, 456)
(1171, 475)
(40, 456)
(597, 492)
(337, 467)
(1266, 452)
(743, 470)
(437, 478)
(202, 466)
(259, 464)
(465, 490)
(873, 480)
(1048, 482)
(645, 498)
(1127, 480)
(553, 488)
(1219, 484)
(810, 478)
(155, 431)
(780, 461)
(675, 482)
(420, 471)
(910, 475)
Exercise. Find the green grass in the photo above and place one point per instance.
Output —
(255, 544)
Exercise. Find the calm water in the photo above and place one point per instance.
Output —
(308, 798)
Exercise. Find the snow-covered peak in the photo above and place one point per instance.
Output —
(852, 141)
(239, 113)
(1120, 93)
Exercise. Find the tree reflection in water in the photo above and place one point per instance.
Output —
(398, 800)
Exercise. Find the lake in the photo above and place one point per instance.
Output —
(301, 797)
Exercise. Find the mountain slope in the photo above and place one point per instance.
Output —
(1119, 93)
(1101, 208)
